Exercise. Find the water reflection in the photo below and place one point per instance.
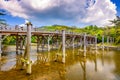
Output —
(102, 66)
(117, 64)
(102, 58)
(83, 66)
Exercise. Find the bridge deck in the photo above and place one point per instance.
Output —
(16, 32)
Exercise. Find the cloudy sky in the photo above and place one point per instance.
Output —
(62, 12)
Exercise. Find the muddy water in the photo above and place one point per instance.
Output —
(103, 66)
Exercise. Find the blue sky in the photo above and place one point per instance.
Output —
(117, 3)
(62, 12)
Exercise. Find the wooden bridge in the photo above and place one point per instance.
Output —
(46, 40)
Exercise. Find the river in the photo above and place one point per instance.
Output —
(105, 65)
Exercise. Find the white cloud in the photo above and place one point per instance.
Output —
(14, 8)
(95, 12)
(100, 13)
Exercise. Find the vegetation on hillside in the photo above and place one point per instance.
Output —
(91, 30)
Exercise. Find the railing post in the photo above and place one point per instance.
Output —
(29, 25)
(63, 46)
(84, 44)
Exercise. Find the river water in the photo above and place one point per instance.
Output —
(105, 65)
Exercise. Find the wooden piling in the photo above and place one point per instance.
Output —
(48, 41)
(28, 47)
(103, 42)
(84, 45)
(73, 44)
(21, 44)
(43, 43)
(63, 46)
(96, 43)
(113, 40)
(107, 42)
(17, 44)
(81, 42)
(38, 43)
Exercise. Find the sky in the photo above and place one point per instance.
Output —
(78, 13)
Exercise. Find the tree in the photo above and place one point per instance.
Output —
(2, 21)
(116, 23)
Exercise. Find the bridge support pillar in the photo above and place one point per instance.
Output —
(57, 42)
(73, 44)
(17, 44)
(96, 43)
(113, 40)
(48, 41)
(90, 41)
(63, 46)
(107, 42)
(81, 42)
(84, 45)
(103, 42)
(43, 43)
(0, 45)
(38, 43)
(28, 47)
